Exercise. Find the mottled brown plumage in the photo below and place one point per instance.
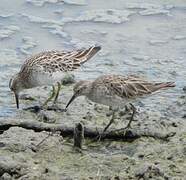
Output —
(53, 61)
(129, 86)
(117, 91)
(49, 67)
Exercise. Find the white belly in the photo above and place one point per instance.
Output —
(41, 78)
(113, 101)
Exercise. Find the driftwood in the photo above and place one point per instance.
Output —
(78, 135)
(128, 135)
(8, 165)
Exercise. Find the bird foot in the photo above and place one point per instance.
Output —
(100, 136)
(125, 129)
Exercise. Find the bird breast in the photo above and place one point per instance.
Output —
(103, 96)
(41, 78)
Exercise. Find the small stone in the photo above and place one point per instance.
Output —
(109, 113)
(2, 144)
(6, 176)
(140, 172)
(174, 124)
(170, 157)
(46, 170)
(184, 116)
(184, 88)
(156, 162)
(122, 112)
(98, 108)
(141, 156)
(68, 79)
(26, 97)
(88, 116)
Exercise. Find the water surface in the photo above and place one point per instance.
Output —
(147, 38)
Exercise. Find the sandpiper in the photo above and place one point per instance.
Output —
(48, 68)
(117, 91)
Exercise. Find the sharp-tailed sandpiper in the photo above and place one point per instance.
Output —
(117, 91)
(48, 68)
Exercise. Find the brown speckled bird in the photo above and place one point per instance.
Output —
(117, 91)
(48, 68)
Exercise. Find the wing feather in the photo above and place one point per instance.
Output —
(127, 87)
(52, 61)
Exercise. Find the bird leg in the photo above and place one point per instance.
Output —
(111, 121)
(50, 97)
(132, 116)
(101, 135)
(131, 119)
(57, 92)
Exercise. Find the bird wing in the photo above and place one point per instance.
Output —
(129, 86)
(53, 61)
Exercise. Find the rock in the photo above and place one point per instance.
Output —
(46, 117)
(98, 108)
(9, 166)
(146, 171)
(68, 79)
(6, 176)
(174, 124)
(170, 157)
(141, 156)
(19, 140)
(184, 116)
(88, 116)
(122, 112)
(26, 97)
(184, 88)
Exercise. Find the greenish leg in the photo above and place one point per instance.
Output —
(111, 121)
(50, 97)
(132, 117)
(109, 124)
(57, 92)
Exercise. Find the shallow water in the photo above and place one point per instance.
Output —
(147, 39)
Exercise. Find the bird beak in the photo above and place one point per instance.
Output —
(17, 100)
(72, 98)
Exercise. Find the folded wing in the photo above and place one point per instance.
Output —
(132, 86)
(53, 61)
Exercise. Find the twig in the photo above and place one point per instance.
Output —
(78, 135)
(129, 135)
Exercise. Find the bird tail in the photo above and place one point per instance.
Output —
(85, 55)
(164, 85)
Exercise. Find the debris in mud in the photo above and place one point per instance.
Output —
(184, 88)
(118, 134)
(68, 79)
(26, 97)
(78, 135)
(37, 109)
(9, 166)
(149, 171)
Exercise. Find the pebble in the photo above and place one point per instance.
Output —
(68, 79)
(6, 176)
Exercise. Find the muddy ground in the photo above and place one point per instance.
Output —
(56, 158)
(145, 38)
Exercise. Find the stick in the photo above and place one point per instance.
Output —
(129, 135)
(78, 135)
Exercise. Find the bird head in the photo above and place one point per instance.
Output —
(82, 88)
(16, 86)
